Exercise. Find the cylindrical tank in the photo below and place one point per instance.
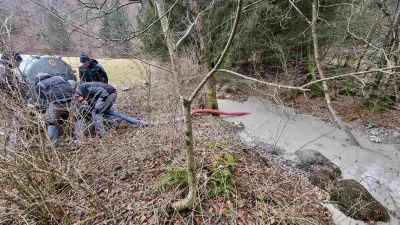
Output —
(53, 65)
(34, 64)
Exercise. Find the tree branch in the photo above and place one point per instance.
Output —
(350, 74)
(191, 27)
(186, 34)
(299, 12)
(263, 82)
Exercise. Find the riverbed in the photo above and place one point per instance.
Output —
(375, 165)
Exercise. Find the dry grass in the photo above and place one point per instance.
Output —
(117, 180)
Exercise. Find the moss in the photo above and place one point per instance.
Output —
(212, 145)
(260, 198)
(323, 178)
(355, 201)
(175, 177)
(352, 118)
(230, 161)
(212, 102)
(222, 183)
(183, 149)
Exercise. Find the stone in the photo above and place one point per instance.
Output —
(125, 88)
(239, 125)
(371, 125)
(356, 202)
(309, 160)
(323, 178)
(229, 88)
(375, 139)
(220, 95)
(218, 87)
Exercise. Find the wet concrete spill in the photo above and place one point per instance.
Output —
(376, 166)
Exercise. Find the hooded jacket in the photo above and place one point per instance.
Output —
(94, 73)
(53, 89)
(93, 91)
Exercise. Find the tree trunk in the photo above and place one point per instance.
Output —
(212, 102)
(170, 41)
(204, 57)
(186, 105)
(191, 167)
(318, 63)
(390, 43)
(395, 51)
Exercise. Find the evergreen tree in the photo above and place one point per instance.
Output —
(56, 33)
(116, 28)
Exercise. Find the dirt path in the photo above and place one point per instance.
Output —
(376, 166)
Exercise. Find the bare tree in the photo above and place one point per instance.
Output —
(170, 41)
(186, 102)
(320, 69)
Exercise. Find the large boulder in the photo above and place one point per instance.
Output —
(311, 160)
(356, 202)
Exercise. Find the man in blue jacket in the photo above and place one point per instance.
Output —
(91, 70)
(57, 93)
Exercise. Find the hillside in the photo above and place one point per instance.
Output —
(225, 112)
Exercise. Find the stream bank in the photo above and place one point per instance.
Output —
(376, 165)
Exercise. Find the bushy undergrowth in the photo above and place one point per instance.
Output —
(116, 180)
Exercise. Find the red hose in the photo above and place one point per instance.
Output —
(219, 112)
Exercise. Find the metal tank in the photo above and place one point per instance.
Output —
(53, 65)
(34, 64)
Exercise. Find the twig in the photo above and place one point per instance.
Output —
(263, 82)
(349, 74)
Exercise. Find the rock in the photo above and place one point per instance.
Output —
(375, 139)
(229, 88)
(125, 88)
(238, 124)
(356, 202)
(309, 160)
(220, 95)
(218, 87)
(374, 131)
(371, 125)
(323, 178)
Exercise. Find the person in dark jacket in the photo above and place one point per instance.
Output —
(8, 81)
(57, 93)
(96, 97)
(91, 70)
